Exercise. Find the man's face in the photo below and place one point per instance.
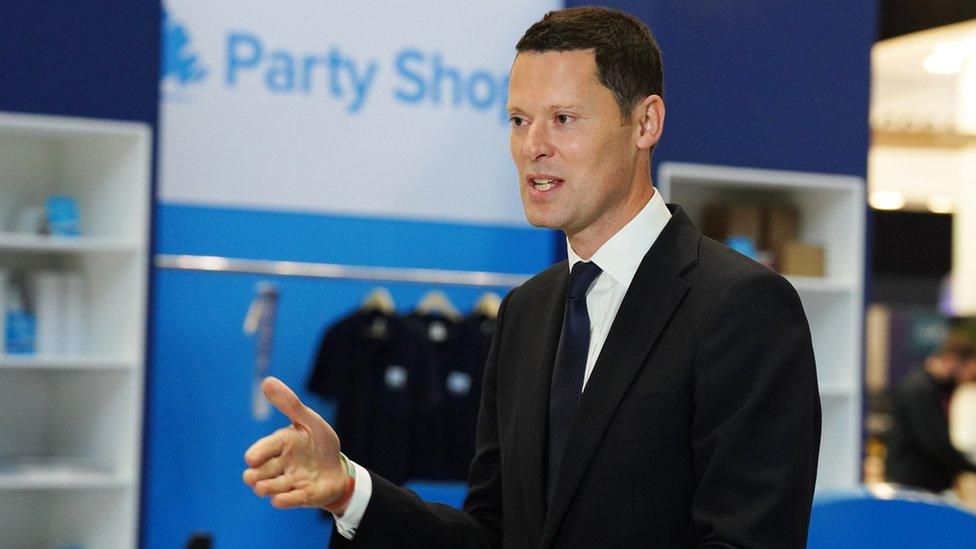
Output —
(576, 156)
(958, 369)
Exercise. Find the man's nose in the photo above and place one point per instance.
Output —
(537, 144)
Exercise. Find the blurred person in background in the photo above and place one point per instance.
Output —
(920, 454)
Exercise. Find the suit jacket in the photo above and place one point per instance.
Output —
(920, 453)
(699, 426)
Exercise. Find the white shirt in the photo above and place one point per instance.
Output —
(962, 419)
(619, 258)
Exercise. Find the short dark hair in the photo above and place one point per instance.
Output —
(628, 59)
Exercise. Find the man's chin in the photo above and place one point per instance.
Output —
(542, 225)
(542, 221)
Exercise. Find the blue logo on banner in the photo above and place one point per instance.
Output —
(179, 62)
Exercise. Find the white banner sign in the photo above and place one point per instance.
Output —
(382, 109)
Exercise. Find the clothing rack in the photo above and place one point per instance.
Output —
(341, 272)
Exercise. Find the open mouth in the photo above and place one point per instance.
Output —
(543, 183)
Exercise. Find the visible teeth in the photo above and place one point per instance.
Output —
(543, 184)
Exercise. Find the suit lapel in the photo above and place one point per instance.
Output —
(544, 311)
(648, 305)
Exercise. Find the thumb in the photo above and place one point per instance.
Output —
(285, 400)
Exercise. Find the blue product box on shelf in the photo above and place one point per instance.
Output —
(20, 333)
(62, 216)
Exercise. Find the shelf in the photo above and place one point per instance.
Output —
(833, 390)
(71, 424)
(753, 178)
(46, 472)
(821, 284)
(830, 211)
(64, 126)
(34, 362)
(61, 480)
(39, 243)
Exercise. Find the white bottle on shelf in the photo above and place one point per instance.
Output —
(73, 286)
(46, 292)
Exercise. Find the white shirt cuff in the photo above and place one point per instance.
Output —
(349, 521)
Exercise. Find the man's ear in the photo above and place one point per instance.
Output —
(650, 118)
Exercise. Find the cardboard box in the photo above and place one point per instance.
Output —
(781, 224)
(723, 221)
(800, 259)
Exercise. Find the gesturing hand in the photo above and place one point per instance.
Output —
(299, 465)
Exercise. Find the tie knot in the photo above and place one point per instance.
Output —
(580, 278)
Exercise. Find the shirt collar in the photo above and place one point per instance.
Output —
(620, 256)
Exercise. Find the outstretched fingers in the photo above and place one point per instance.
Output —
(274, 486)
(297, 465)
(290, 500)
(269, 469)
(268, 447)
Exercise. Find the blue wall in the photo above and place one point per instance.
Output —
(97, 59)
(780, 84)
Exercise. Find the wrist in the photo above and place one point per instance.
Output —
(338, 507)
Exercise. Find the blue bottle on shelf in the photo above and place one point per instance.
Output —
(20, 325)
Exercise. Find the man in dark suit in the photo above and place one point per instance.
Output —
(656, 390)
(920, 453)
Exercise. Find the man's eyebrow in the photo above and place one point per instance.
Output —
(553, 107)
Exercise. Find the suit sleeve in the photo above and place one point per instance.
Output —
(397, 517)
(756, 428)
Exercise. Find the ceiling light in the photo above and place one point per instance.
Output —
(937, 63)
(941, 204)
(955, 48)
(949, 57)
(887, 200)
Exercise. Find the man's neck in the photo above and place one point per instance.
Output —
(586, 242)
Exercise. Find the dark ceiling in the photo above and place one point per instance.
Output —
(898, 17)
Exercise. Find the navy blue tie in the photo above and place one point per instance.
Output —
(566, 386)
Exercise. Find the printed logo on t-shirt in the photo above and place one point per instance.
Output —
(487, 327)
(437, 332)
(395, 377)
(379, 328)
(458, 383)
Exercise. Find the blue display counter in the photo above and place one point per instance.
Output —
(884, 516)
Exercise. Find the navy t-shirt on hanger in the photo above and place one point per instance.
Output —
(381, 373)
(446, 446)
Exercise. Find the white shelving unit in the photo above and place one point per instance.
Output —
(39, 244)
(71, 426)
(832, 215)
